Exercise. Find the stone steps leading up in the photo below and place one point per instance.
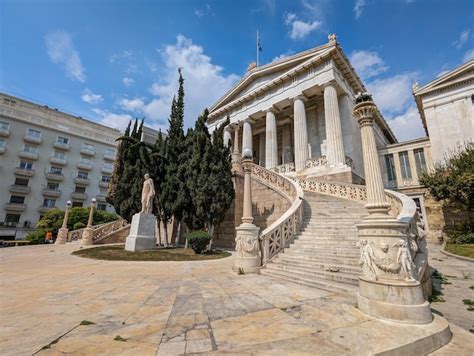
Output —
(324, 254)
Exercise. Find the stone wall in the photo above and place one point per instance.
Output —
(267, 207)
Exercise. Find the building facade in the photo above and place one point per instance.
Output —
(48, 157)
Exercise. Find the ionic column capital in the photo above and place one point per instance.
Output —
(331, 84)
(272, 110)
(301, 97)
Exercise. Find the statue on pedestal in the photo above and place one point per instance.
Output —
(148, 193)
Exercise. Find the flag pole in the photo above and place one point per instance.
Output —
(257, 48)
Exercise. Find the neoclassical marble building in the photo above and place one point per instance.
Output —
(295, 115)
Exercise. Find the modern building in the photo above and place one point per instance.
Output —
(48, 157)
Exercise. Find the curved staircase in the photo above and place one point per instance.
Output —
(324, 253)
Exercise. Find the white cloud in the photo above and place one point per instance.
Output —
(204, 11)
(393, 94)
(61, 51)
(408, 125)
(468, 56)
(118, 57)
(128, 81)
(151, 65)
(443, 72)
(463, 37)
(204, 83)
(134, 105)
(116, 121)
(91, 98)
(367, 64)
(300, 29)
(359, 7)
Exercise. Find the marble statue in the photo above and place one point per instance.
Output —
(148, 193)
(405, 260)
(367, 258)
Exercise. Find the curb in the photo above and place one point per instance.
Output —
(462, 258)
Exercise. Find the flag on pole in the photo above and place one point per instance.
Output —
(259, 46)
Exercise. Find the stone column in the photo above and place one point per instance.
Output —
(87, 235)
(236, 156)
(247, 258)
(392, 268)
(63, 231)
(271, 150)
(301, 133)
(287, 154)
(335, 148)
(227, 136)
(261, 149)
(247, 138)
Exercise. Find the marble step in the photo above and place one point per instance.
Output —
(289, 260)
(346, 253)
(326, 259)
(327, 239)
(311, 281)
(341, 245)
(328, 233)
(340, 277)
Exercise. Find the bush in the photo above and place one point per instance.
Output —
(78, 225)
(36, 237)
(198, 240)
(53, 219)
(462, 234)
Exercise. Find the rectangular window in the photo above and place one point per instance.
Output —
(82, 175)
(33, 133)
(88, 146)
(21, 181)
(26, 165)
(2, 142)
(102, 192)
(390, 164)
(16, 199)
(4, 125)
(405, 165)
(80, 189)
(101, 206)
(56, 170)
(53, 186)
(12, 218)
(106, 179)
(59, 154)
(49, 203)
(420, 161)
(31, 149)
(77, 204)
(64, 140)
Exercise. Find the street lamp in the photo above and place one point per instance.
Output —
(87, 234)
(63, 231)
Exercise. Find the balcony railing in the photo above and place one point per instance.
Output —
(84, 166)
(54, 177)
(2, 150)
(33, 156)
(15, 207)
(103, 184)
(79, 196)
(82, 181)
(24, 172)
(58, 161)
(62, 146)
(54, 193)
(87, 152)
(106, 170)
(45, 209)
(32, 139)
(109, 157)
(19, 189)
(4, 132)
(101, 198)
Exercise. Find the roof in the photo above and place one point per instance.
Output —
(459, 75)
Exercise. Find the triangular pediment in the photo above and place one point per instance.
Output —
(461, 74)
(259, 76)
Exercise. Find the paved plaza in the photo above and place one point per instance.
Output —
(167, 308)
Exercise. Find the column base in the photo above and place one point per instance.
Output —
(247, 258)
(394, 301)
(62, 236)
(87, 237)
(142, 233)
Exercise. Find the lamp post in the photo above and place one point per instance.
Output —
(63, 231)
(87, 235)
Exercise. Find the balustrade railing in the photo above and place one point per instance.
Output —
(318, 161)
(285, 168)
(98, 230)
(281, 233)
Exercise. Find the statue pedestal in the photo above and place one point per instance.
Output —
(247, 259)
(87, 237)
(142, 233)
(62, 236)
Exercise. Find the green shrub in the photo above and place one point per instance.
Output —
(198, 240)
(78, 225)
(36, 237)
(53, 219)
(462, 234)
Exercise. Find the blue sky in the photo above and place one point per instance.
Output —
(111, 60)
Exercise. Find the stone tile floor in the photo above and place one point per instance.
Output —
(168, 308)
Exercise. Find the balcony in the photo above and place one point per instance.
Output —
(24, 172)
(4, 132)
(51, 193)
(44, 209)
(58, 161)
(84, 166)
(54, 177)
(32, 156)
(87, 152)
(15, 207)
(62, 146)
(106, 170)
(103, 184)
(101, 199)
(109, 157)
(32, 139)
(2, 150)
(19, 189)
(79, 196)
(82, 181)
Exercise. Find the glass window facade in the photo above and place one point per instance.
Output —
(404, 165)
(420, 161)
(390, 164)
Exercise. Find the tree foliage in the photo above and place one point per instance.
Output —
(454, 180)
(53, 219)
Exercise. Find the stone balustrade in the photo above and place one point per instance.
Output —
(99, 231)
